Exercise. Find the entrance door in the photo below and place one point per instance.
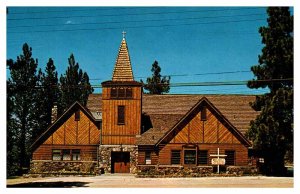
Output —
(120, 162)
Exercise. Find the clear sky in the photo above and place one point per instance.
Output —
(192, 44)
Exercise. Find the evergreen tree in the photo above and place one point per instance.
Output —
(21, 105)
(75, 85)
(272, 131)
(157, 84)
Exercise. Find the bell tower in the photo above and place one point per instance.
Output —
(121, 103)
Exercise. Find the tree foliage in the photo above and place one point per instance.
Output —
(157, 84)
(30, 96)
(272, 131)
(75, 85)
(22, 103)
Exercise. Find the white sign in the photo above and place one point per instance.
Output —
(218, 161)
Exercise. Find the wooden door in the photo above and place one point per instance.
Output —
(120, 162)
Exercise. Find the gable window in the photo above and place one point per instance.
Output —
(66, 155)
(190, 156)
(230, 158)
(203, 114)
(75, 155)
(175, 157)
(121, 115)
(77, 115)
(56, 154)
(148, 157)
(203, 157)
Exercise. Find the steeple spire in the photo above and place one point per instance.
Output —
(123, 70)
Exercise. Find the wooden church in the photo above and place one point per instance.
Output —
(123, 130)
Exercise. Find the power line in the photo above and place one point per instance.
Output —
(135, 21)
(187, 84)
(133, 27)
(128, 14)
(186, 75)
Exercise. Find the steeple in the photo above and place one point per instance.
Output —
(123, 70)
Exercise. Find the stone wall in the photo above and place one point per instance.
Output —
(241, 170)
(63, 167)
(196, 171)
(105, 156)
(173, 171)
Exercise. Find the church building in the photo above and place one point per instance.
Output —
(123, 130)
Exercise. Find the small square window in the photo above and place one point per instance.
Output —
(56, 155)
(75, 155)
(66, 155)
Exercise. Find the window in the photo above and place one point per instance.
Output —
(56, 154)
(189, 156)
(66, 155)
(203, 157)
(121, 115)
(203, 113)
(128, 92)
(230, 158)
(147, 157)
(114, 93)
(77, 115)
(175, 157)
(121, 92)
(75, 155)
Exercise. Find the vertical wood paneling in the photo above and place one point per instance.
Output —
(58, 135)
(71, 126)
(120, 134)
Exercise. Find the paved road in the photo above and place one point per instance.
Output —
(129, 181)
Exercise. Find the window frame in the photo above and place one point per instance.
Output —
(58, 153)
(171, 158)
(148, 160)
(121, 93)
(121, 115)
(233, 159)
(203, 114)
(184, 156)
(77, 115)
(200, 158)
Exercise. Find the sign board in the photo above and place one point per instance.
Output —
(218, 161)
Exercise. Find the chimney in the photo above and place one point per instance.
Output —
(54, 113)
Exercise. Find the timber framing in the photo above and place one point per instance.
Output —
(189, 115)
(54, 126)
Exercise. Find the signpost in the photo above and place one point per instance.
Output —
(218, 161)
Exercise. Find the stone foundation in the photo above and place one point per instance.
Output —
(196, 171)
(173, 171)
(47, 167)
(105, 156)
(241, 170)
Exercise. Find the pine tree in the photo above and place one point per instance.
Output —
(157, 84)
(75, 85)
(22, 103)
(272, 131)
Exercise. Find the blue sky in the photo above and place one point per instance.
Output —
(192, 44)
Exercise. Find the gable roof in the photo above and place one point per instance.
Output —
(123, 70)
(65, 116)
(195, 109)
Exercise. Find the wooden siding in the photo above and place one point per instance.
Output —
(141, 156)
(241, 152)
(112, 133)
(204, 135)
(82, 134)
(209, 131)
(87, 152)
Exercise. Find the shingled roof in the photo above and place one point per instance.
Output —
(166, 110)
(122, 69)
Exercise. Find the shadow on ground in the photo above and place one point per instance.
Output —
(59, 184)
